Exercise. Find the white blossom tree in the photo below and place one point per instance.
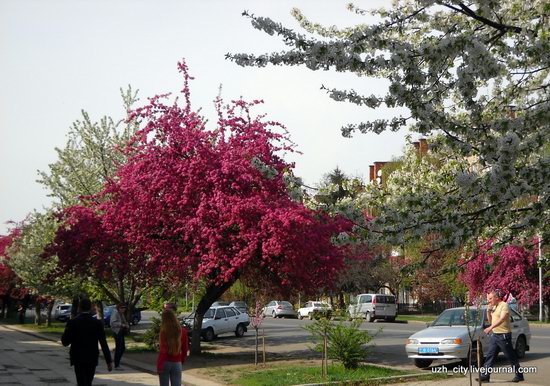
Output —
(459, 68)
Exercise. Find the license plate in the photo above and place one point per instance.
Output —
(428, 350)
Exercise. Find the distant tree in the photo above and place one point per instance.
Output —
(213, 205)
(512, 268)
(90, 157)
(477, 72)
(86, 248)
(336, 194)
(8, 278)
(25, 258)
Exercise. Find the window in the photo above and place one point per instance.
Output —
(229, 312)
(515, 316)
(365, 299)
(220, 313)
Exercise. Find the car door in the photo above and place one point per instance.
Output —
(232, 319)
(306, 309)
(391, 306)
(379, 305)
(221, 322)
(518, 328)
(269, 308)
(365, 304)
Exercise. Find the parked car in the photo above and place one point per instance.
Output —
(279, 309)
(314, 309)
(447, 337)
(62, 312)
(240, 305)
(108, 311)
(220, 320)
(373, 306)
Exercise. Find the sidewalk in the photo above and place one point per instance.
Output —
(47, 362)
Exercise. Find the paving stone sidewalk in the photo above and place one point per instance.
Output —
(28, 358)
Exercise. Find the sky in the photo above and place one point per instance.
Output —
(59, 57)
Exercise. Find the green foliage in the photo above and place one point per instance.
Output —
(151, 336)
(345, 341)
(90, 157)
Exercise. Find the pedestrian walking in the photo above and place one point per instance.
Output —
(21, 314)
(498, 316)
(120, 328)
(83, 334)
(174, 344)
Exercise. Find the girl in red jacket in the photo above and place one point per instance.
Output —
(174, 345)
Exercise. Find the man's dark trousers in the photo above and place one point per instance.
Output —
(498, 343)
(84, 374)
(120, 347)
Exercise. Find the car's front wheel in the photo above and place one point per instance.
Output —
(239, 331)
(521, 347)
(209, 334)
(422, 363)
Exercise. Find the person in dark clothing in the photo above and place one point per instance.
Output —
(83, 334)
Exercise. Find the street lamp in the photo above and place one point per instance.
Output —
(540, 278)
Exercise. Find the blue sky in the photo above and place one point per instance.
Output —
(61, 56)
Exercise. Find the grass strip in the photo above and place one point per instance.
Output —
(308, 374)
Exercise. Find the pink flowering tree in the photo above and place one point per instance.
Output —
(513, 268)
(85, 248)
(213, 205)
(10, 284)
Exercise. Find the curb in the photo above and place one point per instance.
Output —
(393, 377)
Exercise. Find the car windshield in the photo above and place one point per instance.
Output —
(457, 317)
(63, 308)
(239, 304)
(286, 304)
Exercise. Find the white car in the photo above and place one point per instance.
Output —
(447, 337)
(279, 309)
(313, 308)
(221, 320)
(373, 306)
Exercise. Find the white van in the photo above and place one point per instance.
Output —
(373, 306)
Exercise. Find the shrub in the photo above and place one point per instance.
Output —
(151, 336)
(345, 341)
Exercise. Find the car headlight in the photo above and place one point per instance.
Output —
(412, 341)
(452, 341)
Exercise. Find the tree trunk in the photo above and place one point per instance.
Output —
(213, 293)
(341, 301)
(49, 312)
(37, 312)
